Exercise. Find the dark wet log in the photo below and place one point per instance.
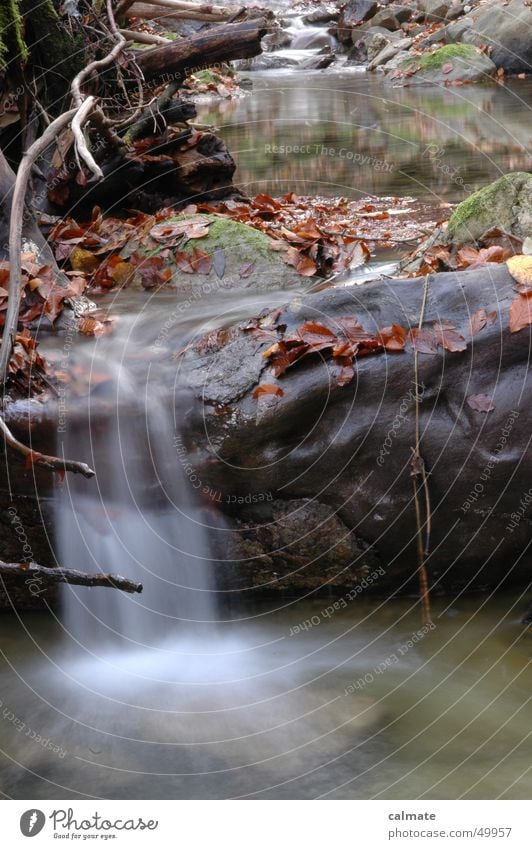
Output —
(42, 577)
(350, 447)
(217, 44)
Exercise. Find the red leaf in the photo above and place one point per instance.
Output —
(424, 340)
(480, 403)
(393, 338)
(449, 337)
(267, 389)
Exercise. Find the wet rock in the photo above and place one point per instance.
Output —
(321, 15)
(317, 63)
(401, 12)
(507, 204)
(245, 255)
(386, 19)
(507, 29)
(388, 52)
(377, 44)
(280, 551)
(435, 10)
(358, 55)
(344, 447)
(312, 40)
(276, 40)
(265, 62)
(453, 62)
(352, 14)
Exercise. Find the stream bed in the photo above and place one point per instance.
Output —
(166, 696)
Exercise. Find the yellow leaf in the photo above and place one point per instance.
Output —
(520, 267)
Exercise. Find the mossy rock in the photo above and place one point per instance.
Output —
(245, 258)
(506, 203)
(448, 64)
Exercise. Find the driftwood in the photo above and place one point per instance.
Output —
(180, 11)
(217, 44)
(33, 573)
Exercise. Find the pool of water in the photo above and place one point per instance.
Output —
(287, 700)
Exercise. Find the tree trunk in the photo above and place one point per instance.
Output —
(217, 44)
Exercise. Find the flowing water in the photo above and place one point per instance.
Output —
(176, 693)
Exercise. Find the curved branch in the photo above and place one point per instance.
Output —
(15, 234)
(56, 464)
(32, 573)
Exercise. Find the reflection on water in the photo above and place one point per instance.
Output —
(379, 134)
(258, 713)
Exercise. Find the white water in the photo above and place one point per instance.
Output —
(138, 518)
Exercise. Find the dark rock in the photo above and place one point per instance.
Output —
(435, 10)
(314, 38)
(507, 29)
(317, 63)
(276, 40)
(352, 14)
(346, 448)
(358, 55)
(385, 19)
(321, 15)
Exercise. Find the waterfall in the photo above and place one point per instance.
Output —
(138, 517)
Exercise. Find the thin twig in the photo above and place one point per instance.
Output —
(34, 574)
(56, 464)
(418, 468)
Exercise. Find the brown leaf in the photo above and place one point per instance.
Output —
(447, 68)
(520, 313)
(393, 338)
(449, 337)
(481, 319)
(480, 403)
(82, 260)
(424, 340)
(267, 389)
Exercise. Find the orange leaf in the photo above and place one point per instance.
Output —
(267, 389)
(520, 267)
(520, 313)
(481, 319)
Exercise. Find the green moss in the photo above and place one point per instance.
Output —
(12, 34)
(434, 61)
(494, 205)
(238, 240)
(207, 77)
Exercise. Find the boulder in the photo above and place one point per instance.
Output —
(276, 40)
(352, 14)
(321, 15)
(319, 443)
(245, 256)
(507, 204)
(507, 28)
(265, 62)
(435, 11)
(388, 52)
(386, 19)
(453, 62)
(376, 44)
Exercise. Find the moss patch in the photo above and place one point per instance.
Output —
(248, 256)
(435, 61)
(496, 205)
(12, 42)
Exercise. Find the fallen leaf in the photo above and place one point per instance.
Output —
(520, 313)
(481, 319)
(480, 403)
(520, 267)
(267, 389)
(447, 68)
(218, 262)
(393, 338)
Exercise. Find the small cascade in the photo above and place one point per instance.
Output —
(137, 518)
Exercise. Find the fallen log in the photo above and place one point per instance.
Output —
(313, 436)
(217, 44)
(180, 11)
(42, 577)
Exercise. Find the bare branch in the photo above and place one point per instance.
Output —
(56, 464)
(32, 572)
(144, 37)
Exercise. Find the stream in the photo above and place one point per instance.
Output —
(181, 692)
